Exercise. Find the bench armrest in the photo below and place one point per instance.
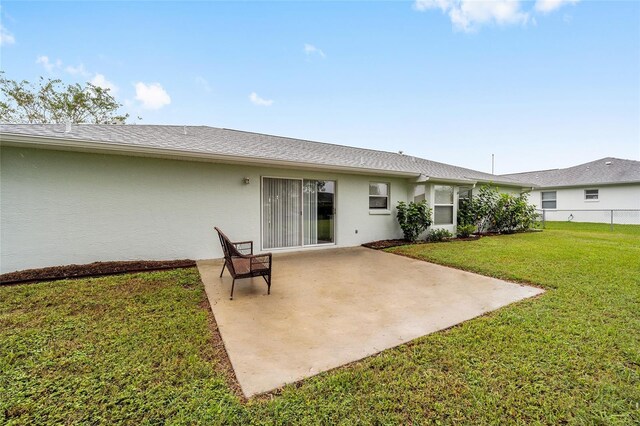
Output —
(260, 261)
(244, 246)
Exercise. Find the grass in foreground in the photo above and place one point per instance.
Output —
(137, 348)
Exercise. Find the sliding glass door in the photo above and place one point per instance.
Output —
(297, 212)
(319, 208)
(281, 211)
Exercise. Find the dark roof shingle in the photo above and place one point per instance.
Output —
(607, 170)
(226, 142)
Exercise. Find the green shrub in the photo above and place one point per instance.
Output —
(491, 210)
(414, 218)
(514, 213)
(464, 231)
(437, 235)
(466, 212)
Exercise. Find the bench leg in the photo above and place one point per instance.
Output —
(223, 266)
(267, 279)
(232, 286)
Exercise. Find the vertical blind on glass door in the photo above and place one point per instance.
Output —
(281, 212)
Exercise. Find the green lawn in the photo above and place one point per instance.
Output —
(138, 348)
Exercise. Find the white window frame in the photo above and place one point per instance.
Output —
(542, 200)
(380, 210)
(452, 205)
(597, 195)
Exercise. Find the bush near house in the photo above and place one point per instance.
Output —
(492, 211)
(414, 218)
(465, 231)
(438, 235)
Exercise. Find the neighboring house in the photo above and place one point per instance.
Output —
(84, 193)
(588, 192)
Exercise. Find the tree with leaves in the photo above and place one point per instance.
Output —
(52, 101)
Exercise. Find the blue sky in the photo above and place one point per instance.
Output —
(541, 84)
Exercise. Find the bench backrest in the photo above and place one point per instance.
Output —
(227, 246)
(228, 249)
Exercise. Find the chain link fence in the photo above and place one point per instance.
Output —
(612, 217)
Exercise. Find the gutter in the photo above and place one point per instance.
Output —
(27, 141)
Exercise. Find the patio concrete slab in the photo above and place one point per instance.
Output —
(331, 307)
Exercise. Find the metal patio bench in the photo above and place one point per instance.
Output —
(242, 263)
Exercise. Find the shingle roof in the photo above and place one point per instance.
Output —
(607, 170)
(225, 142)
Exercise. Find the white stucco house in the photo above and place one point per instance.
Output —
(588, 192)
(85, 193)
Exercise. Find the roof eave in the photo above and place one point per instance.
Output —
(43, 142)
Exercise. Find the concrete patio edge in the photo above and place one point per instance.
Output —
(329, 308)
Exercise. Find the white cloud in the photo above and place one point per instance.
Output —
(47, 64)
(423, 5)
(203, 83)
(257, 100)
(152, 95)
(101, 81)
(546, 6)
(79, 70)
(6, 38)
(474, 13)
(469, 15)
(310, 49)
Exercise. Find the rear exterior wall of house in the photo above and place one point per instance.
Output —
(62, 207)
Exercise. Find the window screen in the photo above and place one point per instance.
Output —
(549, 200)
(590, 194)
(378, 196)
(443, 205)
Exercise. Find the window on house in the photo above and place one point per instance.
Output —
(443, 205)
(549, 199)
(464, 195)
(464, 192)
(591, 194)
(378, 196)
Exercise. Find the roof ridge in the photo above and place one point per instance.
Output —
(532, 171)
(312, 141)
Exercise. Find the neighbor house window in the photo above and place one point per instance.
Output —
(443, 205)
(378, 196)
(549, 200)
(591, 194)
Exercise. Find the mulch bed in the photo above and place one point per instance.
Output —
(383, 244)
(92, 270)
(470, 238)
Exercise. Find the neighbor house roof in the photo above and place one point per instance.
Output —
(228, 145)
(607, 170)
